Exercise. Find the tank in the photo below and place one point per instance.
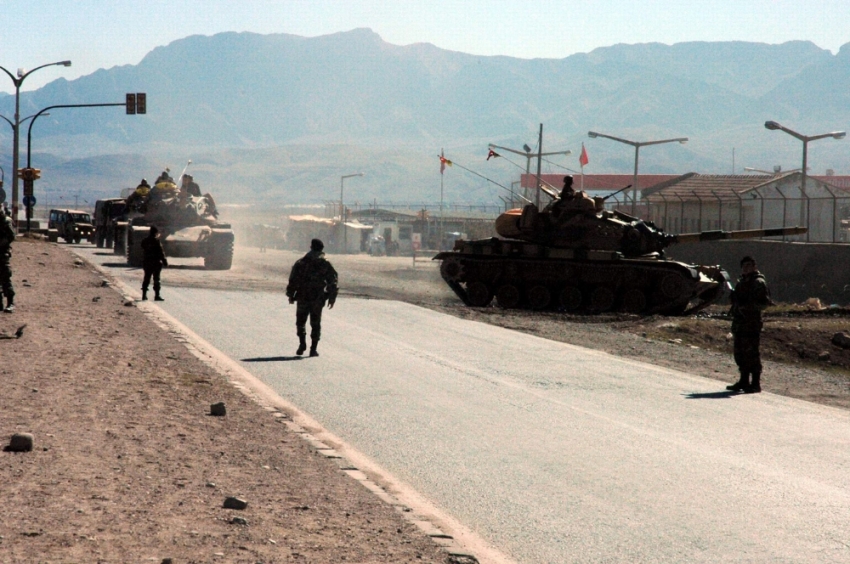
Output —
(576, 256)
(189, 226)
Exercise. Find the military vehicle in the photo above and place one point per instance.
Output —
(107, 213)
(576, 256)
(189, 226)
(71, 225)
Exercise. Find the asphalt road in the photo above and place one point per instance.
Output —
(551, 452)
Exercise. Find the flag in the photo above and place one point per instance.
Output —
(444, 162)
(492, 153)
(583, 160)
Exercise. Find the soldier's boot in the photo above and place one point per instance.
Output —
(157, 297)
(313, 345)
(302, 344)
(144, 295)
(755, 386)
(742, 384)
(10, 305)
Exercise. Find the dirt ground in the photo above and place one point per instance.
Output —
(129, 465)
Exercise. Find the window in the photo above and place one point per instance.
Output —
(404, 232)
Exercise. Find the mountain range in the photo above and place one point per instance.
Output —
(277, 119)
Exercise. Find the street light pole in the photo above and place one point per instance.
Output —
(18, 80)
(773, 126)
(637, 145)
(342, 209)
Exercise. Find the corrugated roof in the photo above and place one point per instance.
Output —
(723, 187)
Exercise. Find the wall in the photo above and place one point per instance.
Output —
(794, 271)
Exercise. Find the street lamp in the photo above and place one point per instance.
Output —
(773, 126)
(526, 152)
(342, 209)
(637, 145)
(18, 80)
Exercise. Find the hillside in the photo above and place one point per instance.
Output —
(281, 117)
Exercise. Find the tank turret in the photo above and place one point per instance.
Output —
(576, 256)
(581, 222)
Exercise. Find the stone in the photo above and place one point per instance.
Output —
(842, 340)
(21, 442)
(235, 503)
(218, 409)
(239, 521)
(824, 356)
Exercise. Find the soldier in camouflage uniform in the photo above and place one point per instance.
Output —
(312, 281)
(750, 297)
(7, 236)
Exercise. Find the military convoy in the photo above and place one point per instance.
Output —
(188, 224)
(577, 256)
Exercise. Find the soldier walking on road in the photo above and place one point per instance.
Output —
(153, 260)
(750, 297)
(7, 236)
(312, 281)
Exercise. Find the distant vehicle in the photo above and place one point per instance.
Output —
(71, 225)
(107, 213)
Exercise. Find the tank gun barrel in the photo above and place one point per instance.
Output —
(742, 234)
(612, 194)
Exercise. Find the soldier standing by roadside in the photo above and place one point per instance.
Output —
(311, 282)
(750, 297)
(152, 261)
(7, 236)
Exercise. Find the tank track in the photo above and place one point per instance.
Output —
(531, 276)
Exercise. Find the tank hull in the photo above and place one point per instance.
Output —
(519, 274)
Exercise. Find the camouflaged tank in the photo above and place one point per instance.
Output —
(576, 256)
(189, 226)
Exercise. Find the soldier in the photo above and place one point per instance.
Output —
(7, 236)
(750, 297)
(312, 281)
(153, 260)
(190, 186)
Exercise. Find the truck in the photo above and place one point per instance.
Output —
(71, 225)
(107, 214)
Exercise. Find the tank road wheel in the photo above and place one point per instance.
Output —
(570, 298)
(539, 297)
(508, 296)
(672, 286)
(601, 299)
(478, 294)
(634, 301)
(452, 270)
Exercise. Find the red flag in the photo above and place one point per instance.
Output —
(444, 162)
(583, 160)
(492, 153)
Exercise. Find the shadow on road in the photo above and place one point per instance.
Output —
(713, 395)
(273, 359)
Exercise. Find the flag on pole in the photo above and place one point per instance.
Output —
(444, 162)
(583, 160)
(493, 154)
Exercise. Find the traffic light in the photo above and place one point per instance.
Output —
(141, 103)
(29, 173)
(131, 104)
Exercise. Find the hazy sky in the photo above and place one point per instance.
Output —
(104, 33)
